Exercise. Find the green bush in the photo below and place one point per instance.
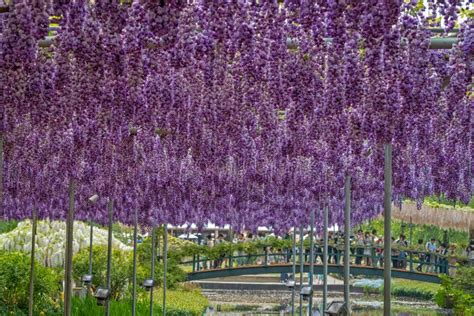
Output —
(420, 293)
(6, 226)
(424, 232)
(174, 274)
(458, 292)
(121, 268)
(413, 289)
(14, 284)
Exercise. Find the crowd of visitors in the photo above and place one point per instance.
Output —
(430, 256)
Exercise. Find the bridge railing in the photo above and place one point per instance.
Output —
(402, 259)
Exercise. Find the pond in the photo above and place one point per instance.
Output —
(364, 309)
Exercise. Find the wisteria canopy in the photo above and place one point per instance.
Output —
(245, 113)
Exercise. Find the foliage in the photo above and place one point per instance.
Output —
(413, 289)
(441, 201)
(14, 283)
(6, 226)
(179, 303)
(458, 292)
(176, 252)
(417, 293)
(50, 240)
(121, 268)
(123, 233)
(424, 232)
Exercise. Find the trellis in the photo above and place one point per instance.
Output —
(435, 43)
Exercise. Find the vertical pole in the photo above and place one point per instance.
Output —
(1, 172)
(153, 258)
(325, 258)
(347, 242)
(68, 259)
(109, 254)
(165, 265)
(411, 243)
(159, 246)
(293, 271)
(387, 201)
(32, 263)
(91, 239)
(311, 261)
(134, 276)
(301, 266)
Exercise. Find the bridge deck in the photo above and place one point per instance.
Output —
(318, 269)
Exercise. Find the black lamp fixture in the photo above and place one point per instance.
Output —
(336, 308)
(306, 292)
(290, 283)
(87, 279)
(102, 295)
(148, 284)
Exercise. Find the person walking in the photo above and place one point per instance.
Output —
(470, 252)
(360, 243)
(368, 242)
(452, 260)
(442, 253)
(395, 254)
(431, 255)
(420, 249)
(402, 245)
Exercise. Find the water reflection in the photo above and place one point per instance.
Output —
(284, 311)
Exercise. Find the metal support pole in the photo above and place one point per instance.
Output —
(68, 259)
(411, 244)
(293, 271)
(347, 242)
(301, 266)
(32, 263)
(325, 258)
(435, 42)
(153, 258)
(134, 276)
(91, 239)
(311, 261)
(1, 172)
(109, 255)
(387, 201)
(165, 265)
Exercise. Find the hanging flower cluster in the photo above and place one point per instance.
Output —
(235, 112)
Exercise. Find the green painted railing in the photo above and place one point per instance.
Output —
(410, 262)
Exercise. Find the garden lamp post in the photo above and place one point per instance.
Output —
(134, 276)
(87, 279)
(32, 262)
(68, 259)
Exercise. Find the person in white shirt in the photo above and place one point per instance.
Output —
(431, 255)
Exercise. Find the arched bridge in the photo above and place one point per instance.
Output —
(276, 263)
(318, 269)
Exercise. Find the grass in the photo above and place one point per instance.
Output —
(179, 303)
(433, 287)
(414, 289)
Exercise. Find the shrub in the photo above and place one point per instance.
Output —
(14, 284)
(174, 274)
(420, 293)
(458, 292)
(121, 268)
(6, 226)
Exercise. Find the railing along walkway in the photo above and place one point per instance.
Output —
(405, 264)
